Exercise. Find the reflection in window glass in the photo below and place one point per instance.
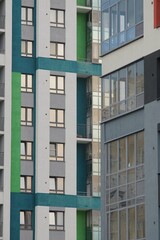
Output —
(113, 157)
(139, 77)
(131, 151)
(131, 9)
(113, 20)
(114, 226)
(114, 88)
(105, 25)
(131, 223)
(131, 80)
(139, 11)
(122, 153)
(121, 15)
(140, 222)
(122, 221)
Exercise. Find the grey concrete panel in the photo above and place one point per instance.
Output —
(57, 135)
(26, 234)
(57, 73)
(26, 133)
(27, 33)
(56, 209)
(124, 125)
(27, 3)
(57, 34)
(27, 100)
(57, 4)
(57, 169)
(57, 101)
(58, 235)
(152, 164)
(27, 168)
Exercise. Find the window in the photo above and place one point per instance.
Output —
(57, 50)
(123, 90)
(125, 187)
(56, 220)
(26, 116)
(56, 185)
(57, 151)
(56, 118)
(27, 16)
(57, 18)
(26, 184)
(122, 22)
(26, 48)
(26, 83)
(57, 84)
(26, 150)
(25, 220)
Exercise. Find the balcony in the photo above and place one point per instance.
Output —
(1, 230)
(84, 133)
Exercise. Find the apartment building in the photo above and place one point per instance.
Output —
(130, 119)
(50, 103)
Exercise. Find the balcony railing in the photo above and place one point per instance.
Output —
(122, 107)
(84, 131)
(1, 89)
(1, 123)
(2, 21)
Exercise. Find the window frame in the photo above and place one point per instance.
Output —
(26, 20)
(55, 156)
(56, 183)
(25, 220)
(56, 226)
(57, 89)
(26, 156)
(56, 113)
(25, 48)
(55, 46)
(26, 78)
(57, 22)
(25, 120)
(27, 182)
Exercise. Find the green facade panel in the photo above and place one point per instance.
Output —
(81, 225)
(16, 132)
(81, 2)
(81, 36)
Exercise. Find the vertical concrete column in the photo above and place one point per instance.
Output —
(42, 118)
(70, 117)
(7, 117)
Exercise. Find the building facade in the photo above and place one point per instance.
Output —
(50, 103)
(130, 119)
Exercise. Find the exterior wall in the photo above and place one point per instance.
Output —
(81, 225)
(81, 31)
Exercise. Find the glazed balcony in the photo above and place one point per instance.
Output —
(84, 133)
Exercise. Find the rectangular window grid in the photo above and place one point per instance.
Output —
(26, 184)
(26, 48)
(26, 116)
(57, 84)
(56, 151)
(57, 18)
(26, 150)
(26, 83)
(57, 118)
(56, 220)
(25, 220)
(27, 16)
(122, 22)
(123, 90)
(56, 185)
(57, 50)
(125, 198)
